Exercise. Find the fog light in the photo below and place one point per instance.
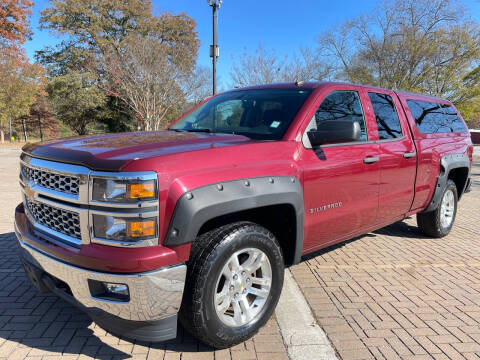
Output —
(109, 291)
(121, 289)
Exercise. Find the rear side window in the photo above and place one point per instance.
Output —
(432, 118)
(388, 123)
(452, 118)
(342, 105)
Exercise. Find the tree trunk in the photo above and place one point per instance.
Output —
(40, 127)
(2, 136)
(24, 130)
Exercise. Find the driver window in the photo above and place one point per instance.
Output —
(341, 105)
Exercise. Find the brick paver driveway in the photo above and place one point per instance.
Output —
(396, 294)
(41, 326)
(389, 294)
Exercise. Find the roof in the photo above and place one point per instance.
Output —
(317, 84)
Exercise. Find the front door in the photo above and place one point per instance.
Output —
(340, 180)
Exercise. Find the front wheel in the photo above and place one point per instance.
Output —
(234, 281)
(439, 222)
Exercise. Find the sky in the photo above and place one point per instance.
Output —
(244, 24)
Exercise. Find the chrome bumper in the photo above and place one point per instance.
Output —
(154, 295)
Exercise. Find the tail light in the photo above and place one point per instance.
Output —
(470, 153)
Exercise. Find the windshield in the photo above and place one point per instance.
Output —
(263, 114)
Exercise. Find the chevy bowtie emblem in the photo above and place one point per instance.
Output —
(29, 192)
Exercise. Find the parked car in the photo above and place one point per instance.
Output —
(199, 221)
(475, 135)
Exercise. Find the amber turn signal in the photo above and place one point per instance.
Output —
(140, 191)
(140, 228)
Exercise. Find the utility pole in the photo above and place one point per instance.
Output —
(214, 49)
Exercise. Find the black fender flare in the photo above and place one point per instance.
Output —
(448, 163)
(197, 206)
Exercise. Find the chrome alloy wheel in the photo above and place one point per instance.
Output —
(243, 287)
(447, 209)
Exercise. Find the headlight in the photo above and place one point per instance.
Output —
(121, 190)
(124, 229)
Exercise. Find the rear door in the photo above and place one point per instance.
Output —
(340, 180)
(398, 158)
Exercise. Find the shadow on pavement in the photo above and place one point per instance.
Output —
(51, 326)
(399, 229)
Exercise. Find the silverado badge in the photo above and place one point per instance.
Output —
(324, 207)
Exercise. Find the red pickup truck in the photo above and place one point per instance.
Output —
(197, 222)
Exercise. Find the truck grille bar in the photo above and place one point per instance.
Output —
(60, 220)
(50, 180)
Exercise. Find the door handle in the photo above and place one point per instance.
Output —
(371, 159)
(409, 155)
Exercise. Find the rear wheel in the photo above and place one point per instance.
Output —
(439, 222)
(234, 281)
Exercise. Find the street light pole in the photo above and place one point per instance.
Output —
(214, 49)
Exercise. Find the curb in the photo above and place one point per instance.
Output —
(302, 336)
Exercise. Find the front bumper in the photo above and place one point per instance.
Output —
(149, 315)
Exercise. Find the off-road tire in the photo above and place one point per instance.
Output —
(430, 222)
(208, 255)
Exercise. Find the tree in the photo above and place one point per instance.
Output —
(76, 101)
(423, 46)
(14, 27)
(72, 59)
(141, 59)
(117, 117)
(198, 86)
(265, 67)
(21, 83)
(148, 70)
(467, 97)
(43, 119)
(92, 23)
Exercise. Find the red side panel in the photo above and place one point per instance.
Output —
(431, 148)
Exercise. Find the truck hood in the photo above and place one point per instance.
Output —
(112, 152)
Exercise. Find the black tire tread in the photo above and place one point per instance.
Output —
(191, 312)
(429, 222)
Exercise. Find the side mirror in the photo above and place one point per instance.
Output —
(334, 131)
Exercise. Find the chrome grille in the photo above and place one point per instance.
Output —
(60, 220)
(50, 180)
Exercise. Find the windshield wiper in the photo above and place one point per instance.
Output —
(198, 130)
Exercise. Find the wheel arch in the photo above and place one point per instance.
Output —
(274, 202)
(460, 177)
(455, 167)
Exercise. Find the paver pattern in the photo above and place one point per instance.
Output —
(396, 294)
(42, 326)
(389, 294)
